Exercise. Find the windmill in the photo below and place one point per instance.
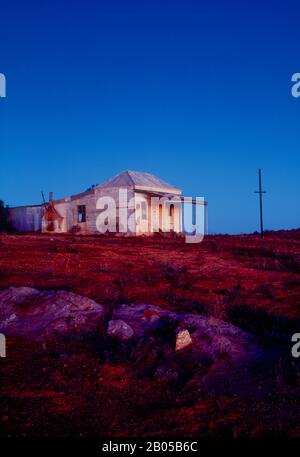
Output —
(51, 219)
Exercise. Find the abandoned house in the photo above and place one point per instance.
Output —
(79, 213)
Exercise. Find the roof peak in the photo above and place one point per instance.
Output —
(139, 179)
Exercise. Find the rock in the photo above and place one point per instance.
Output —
(118, 329)
(147, 319)
(155, 331)
(183, 339)
(25, 311)
(212, 339)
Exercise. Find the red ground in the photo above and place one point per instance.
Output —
(82, 394)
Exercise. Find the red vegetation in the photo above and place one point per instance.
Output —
(84, 394)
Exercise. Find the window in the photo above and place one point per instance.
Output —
(81, 213)
(172, 210)
(144, 211)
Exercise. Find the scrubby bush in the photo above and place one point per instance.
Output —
(4, 222)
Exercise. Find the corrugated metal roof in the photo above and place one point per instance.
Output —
(138, 179)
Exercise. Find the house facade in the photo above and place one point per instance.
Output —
(133, 202)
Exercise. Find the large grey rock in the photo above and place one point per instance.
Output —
(29, 312)
(221, 358)
(212, 338)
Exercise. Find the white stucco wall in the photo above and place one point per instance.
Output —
(26, 219)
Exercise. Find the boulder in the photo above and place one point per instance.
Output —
(118, 329)
(25, 311)
(212, 339)
(157, 335)
(146, 319)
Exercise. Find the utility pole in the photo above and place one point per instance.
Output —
(260, 192)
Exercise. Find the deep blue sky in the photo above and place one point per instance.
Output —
(195, 92)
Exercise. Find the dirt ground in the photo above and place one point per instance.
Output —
(251, 282)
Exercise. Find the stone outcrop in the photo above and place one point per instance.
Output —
(158, 342)
(210, 336)
(25, 311)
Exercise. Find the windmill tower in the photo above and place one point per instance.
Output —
(51, 219)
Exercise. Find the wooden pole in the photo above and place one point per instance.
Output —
(260, 192)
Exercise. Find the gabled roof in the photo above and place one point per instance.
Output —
(139, 180)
